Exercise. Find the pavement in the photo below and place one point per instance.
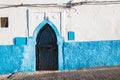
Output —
(102, 73)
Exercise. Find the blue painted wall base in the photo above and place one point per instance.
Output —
(91, 54)
(76, 55)
(16, 59)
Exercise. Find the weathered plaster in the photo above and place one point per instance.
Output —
(91, 54)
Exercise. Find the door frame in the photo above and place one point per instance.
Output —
(60, 41)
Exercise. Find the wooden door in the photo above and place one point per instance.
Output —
(46, 49)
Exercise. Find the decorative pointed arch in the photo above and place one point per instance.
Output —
(44, 23)
(60, 40)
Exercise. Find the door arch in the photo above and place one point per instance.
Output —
(60, 41)
(46, 49)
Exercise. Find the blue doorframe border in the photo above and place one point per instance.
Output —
(60, 40)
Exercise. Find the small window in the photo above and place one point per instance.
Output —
(4, 22)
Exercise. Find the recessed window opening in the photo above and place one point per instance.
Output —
(4, 22)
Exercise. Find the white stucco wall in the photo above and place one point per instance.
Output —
(16, 25)
(36, 16)
(98, 22)
(95, 22)
(89, 22)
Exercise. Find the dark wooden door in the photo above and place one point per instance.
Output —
(46, 49)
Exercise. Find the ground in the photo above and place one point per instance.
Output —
(103, 73)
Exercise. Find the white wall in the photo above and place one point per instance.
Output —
(16, 25)
(37, 16)
(89, 22)
(95, 22)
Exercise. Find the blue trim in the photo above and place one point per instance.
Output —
(41, 25)
(60, 53)
(71, 35)
(59, 40)
(20, 41)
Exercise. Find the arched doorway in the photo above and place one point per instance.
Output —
(46, 49)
